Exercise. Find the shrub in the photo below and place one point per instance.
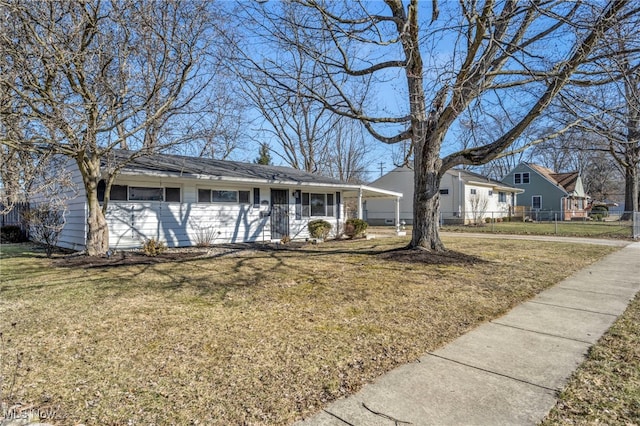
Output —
(285, 240)
(599, 210)
(487, 220)
(12, 234)
(153, 247)
(206, 236)
(355, 228)
(45, 225)
(319, 229)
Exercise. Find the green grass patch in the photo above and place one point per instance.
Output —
(562, 228)
(252, 336)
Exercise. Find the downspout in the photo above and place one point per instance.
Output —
(562, 203)
(460, 197)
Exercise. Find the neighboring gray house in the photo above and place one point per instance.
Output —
(465, 197)
(184, 200)
(548, 193)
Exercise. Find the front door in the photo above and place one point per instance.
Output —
(279, 213)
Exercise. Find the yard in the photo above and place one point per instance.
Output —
(255, 335)
(612, 229)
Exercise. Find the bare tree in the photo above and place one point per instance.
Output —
(503, 54)
(96, 75)
(606, 96)
(478, 204)
(347, 158)
(299, 125)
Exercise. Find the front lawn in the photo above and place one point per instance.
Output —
(247, 336)
(616, 229)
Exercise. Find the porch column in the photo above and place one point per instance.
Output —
(398, 214)
(360, 203)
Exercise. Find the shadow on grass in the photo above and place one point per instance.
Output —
(274, 251)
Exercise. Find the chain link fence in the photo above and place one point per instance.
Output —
(601, 224)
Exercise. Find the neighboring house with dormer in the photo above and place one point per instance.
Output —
(548, 194)
(465, 197)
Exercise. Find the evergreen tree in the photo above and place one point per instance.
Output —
(264, 155)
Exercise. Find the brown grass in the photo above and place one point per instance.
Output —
(605, 389)
(251, 337)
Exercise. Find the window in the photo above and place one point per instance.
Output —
(473, 191)
(204, 195)
(305, 204)
(309, 204)
(118, 193)
(256, 197)
(330, 205)
(318, 205)
(502, 197)
(490, 193)
(536, 202)
(243, 197)
(444, 192)
(172, 194)
(224, 196)
(137, 193)
(520, 178)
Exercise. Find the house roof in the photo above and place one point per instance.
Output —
(235, 171)
(476, 178)
(566, 180)
(199, 167)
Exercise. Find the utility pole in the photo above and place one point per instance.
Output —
(381, 168)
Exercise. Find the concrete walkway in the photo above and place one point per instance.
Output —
(507, 371)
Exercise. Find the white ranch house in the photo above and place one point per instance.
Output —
(185, 200)
(462, 195)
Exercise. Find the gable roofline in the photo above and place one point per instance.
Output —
(545, 173)
(467, 176)
(478, 179)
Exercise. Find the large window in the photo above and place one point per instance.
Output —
(312, 204)
(520, 178)
(137, 193)
(502, 197)
(318, 205)
(223, 196)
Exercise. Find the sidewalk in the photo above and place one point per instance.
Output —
(507, 371)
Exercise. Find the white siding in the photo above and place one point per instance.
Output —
(186, 223)
(454, 205)
(183, 224)
(383, 211)
(75, 229)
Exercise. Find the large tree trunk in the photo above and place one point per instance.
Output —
(97, 241)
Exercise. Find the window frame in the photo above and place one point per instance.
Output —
(331, 202)
(539, 197)
(521, 178)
